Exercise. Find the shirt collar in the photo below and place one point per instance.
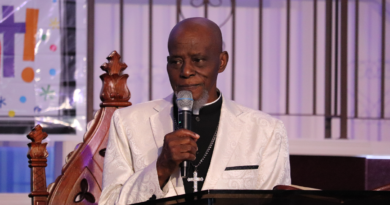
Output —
(207, 105)
(219, 97)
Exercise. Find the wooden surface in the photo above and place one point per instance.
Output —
(276, 197)
(339, 173)
(383, 188)
(80, 181)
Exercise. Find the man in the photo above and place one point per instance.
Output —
(230, 146)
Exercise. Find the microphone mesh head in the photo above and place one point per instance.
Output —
(184, 100)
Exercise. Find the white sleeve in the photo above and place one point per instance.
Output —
(121, 184)
(275, 163)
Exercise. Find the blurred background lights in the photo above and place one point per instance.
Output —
(77, 96)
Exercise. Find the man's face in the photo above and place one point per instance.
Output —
(194, 63)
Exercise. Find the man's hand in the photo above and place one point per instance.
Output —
(178, 146)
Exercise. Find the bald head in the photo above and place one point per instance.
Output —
(196, 57)
(202, 28)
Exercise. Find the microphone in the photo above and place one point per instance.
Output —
(184, 103)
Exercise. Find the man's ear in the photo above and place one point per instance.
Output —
(223, 58)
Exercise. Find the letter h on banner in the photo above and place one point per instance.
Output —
(8, 27)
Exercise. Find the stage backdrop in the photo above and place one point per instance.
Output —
(300, 122)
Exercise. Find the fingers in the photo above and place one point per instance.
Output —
(186, 141)
(187, 133)
(180, 145)
(189, 148)
(182, 156)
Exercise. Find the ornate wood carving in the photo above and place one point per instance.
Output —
(37, 155)
(102, 152)
(84, 194)
(114, 91)
(86, 189)
(81, 179)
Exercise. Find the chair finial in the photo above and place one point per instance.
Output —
(115, 92)
(36, 135)
(114, 66)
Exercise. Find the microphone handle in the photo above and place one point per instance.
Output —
(184, 121)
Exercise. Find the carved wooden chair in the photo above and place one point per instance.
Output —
(80, 181)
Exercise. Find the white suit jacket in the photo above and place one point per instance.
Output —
(246, 137)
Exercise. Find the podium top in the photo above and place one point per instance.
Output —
(250, 197)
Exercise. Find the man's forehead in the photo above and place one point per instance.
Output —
(189, 47)
(188, 35)
(192, 40)
(191, 51)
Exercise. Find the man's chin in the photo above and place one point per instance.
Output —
(196, 96)
(201, 100)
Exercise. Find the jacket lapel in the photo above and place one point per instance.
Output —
(162, 124)
(229, 133)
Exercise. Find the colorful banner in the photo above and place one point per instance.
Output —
(37, 65)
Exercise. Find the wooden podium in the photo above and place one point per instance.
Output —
(296, 197)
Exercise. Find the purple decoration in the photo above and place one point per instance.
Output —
(37, 109)
(9, 28)
(2, 101)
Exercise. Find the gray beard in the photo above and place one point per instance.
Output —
(200, 102)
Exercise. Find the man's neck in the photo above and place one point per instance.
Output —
(196, 109)
(213, 96)
(210, 103)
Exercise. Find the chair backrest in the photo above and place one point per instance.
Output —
(80, 181)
